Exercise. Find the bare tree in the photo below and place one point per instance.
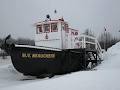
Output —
(89, 32)
(106, 40)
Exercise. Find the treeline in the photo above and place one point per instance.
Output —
(106, 40)
(19, 41)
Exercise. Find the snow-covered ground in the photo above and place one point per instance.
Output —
(105, 77)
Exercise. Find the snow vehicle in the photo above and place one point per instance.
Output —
(58, 50)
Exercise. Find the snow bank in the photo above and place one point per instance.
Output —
(5, 61)
(9, 76)
(88, 80)
(112, 58)
(106, 77)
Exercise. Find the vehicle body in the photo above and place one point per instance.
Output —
(59, 49)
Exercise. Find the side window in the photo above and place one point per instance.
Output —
(63, 26)
(46, 28)
(39, 29)
(54, 27)
(66, 28)
(76, 33)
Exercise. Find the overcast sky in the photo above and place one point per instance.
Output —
(17, 17)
